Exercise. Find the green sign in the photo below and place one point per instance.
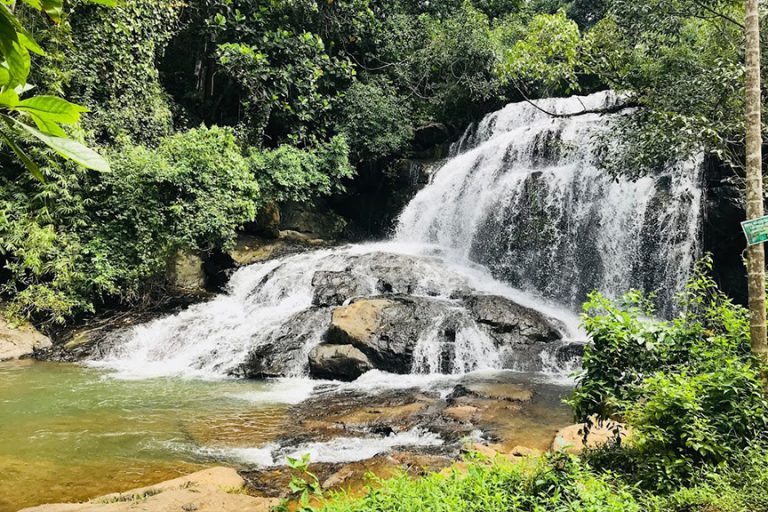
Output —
(756, 230)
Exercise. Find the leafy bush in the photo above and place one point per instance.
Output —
(629, 345)
(292, 174)
(375, 120)
(687, 421)
(741, 485)
(87, 238)
(193, 191)
(688, 388)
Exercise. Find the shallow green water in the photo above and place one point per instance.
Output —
(70, 433)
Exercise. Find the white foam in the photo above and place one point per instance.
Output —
(281, 391)
(340, 449)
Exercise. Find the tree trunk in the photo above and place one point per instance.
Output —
(755, 253)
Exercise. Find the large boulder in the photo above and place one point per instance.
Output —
(186, 272)
(287, 349)
(572, 439)
(337, 362)
(313, 219)
(334, 288)
(20, 341)
(254, 249)
(510, 322)
(386, 330)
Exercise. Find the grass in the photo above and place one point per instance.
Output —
(536, 484)
(556, 483)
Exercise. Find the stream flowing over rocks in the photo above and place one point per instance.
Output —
(461, 327)
(518, 220)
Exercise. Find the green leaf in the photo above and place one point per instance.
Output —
(52, 109)
(48, 127)
(31, 166)
(35, 4)
(16, 61)
(30, 44)
(9, 98)
(53, 8)
(11, 29)
(69, 149)
(106, 3)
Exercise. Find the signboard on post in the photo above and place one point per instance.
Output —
(756, 230)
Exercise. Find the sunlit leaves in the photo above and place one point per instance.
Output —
(69, 149)
(549, 54)
(47, 112)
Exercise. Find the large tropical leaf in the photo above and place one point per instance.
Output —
(52, 108)
(53, 8)
(68, 148)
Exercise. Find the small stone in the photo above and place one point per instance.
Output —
(338, 478)
(482, 449)
(570, 439)
(524, 451)
(462, 413)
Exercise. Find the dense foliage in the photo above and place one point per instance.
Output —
(84, 239)
(556, 483)
(688, 388)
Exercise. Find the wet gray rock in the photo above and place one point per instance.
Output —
(386, 328)
(286, 349)
(509, 322)
(334, 288)
(337, 362)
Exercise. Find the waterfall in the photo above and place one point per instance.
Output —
(520, 211)
(524, 195)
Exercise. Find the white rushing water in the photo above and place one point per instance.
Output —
(523, 195)
(521, 205)
(338, 449)
(211, 339)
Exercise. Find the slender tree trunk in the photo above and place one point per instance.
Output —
(756, 253)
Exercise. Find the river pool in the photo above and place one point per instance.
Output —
(70, 432)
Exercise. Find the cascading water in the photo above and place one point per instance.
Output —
(522, 196)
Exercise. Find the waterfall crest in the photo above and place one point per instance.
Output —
(524, 196)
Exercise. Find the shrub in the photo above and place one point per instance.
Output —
(193, 191)
(376, 120)
(82, 239)
(688, 388)
(629, 345)
(292, 174)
